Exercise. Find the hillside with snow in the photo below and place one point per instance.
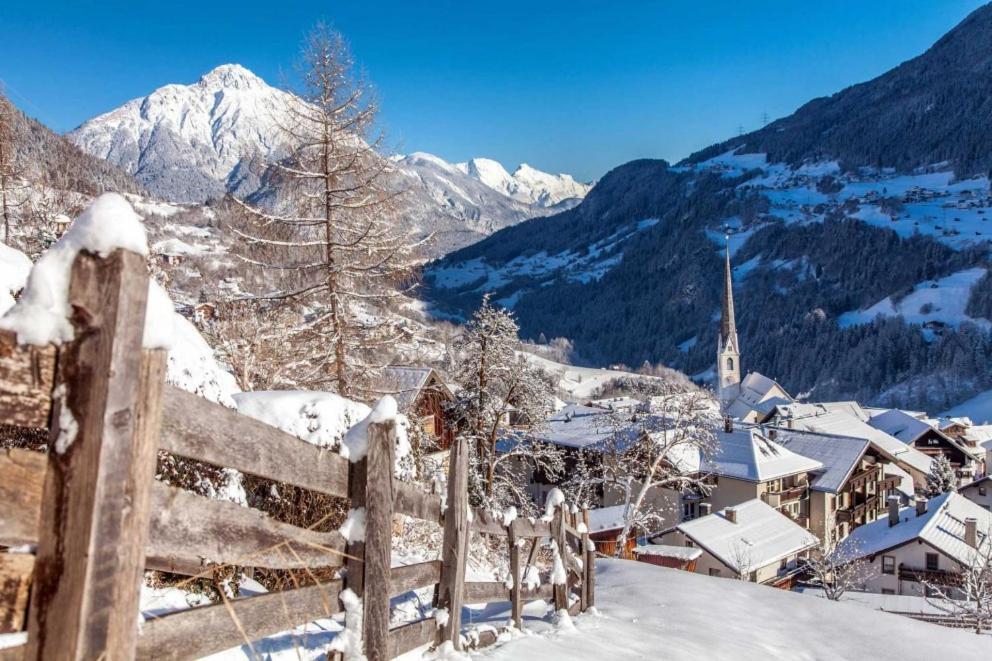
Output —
(869, 253)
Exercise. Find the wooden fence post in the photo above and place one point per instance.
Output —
(589, 552)
(95, 512)
(584, 556)
(354, 577)
(454, 547)
(558, 535)
(378, 538)
(516, 609)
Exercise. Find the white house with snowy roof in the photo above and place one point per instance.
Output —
(925, 435)
(750, 540)
(979, 491)
(919, 546)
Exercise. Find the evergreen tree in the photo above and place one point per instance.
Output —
(941, 477)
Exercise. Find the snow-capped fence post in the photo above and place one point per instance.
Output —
(104, 436)
(454, 547)
(378, 538)
(561, 542)
(354, 563)
(516, 606)
(589, 566)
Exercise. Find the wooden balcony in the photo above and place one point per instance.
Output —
(931, 576)
(858, 480)
(783, 496)
(855, 512)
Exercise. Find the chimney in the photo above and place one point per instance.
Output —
(971, 532)
(893, 510)
(731, 514)
(705, 509)
(921, 506)
(728, 424)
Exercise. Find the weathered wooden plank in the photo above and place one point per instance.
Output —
(14, 653)
(196, 428)
(584, 554)
(378, 538)
(413, 577)
(188, 530)
(535, 528)
(22, 481)
(485, 521)
(409, 499)
(27, 378)
(15, 580)
(90, 548)
(516, 603)
(481, 592)
(197, 632)
(454, 547)
(413, 635)
(354, 577)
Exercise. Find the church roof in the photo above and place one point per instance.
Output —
(728, 324)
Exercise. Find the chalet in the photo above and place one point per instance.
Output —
(979, 491)
(918, 432)
(748, 465)
(851, 420)
(422, 396)
(919, 546)
(750, 540)
(851, 487)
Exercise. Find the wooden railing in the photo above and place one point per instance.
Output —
(97, 519)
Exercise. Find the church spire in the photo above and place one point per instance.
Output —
(728, 325)
(728, 355)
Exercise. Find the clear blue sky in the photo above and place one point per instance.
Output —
(570, 86)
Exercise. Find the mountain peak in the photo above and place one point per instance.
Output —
(230, 76)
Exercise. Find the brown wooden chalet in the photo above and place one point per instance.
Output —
(422, 396)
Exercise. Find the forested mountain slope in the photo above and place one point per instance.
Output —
(857, 226)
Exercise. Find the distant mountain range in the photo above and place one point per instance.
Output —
(858, 225)
(192, 143)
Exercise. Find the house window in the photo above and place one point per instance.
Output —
(689, 544)
(714, 571)
(982, 491)
(888, 591)
(933, 562)
(783, 564)
(888, 564)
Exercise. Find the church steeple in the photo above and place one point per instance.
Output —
(728, 325)
(728, 355)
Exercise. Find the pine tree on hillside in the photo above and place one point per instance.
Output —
(332, 243)
(941, 477)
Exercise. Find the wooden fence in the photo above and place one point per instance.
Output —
(98, 519)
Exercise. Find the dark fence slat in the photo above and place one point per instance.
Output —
(27, 377)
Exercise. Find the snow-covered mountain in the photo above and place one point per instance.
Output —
(188, 143)
(191, 143)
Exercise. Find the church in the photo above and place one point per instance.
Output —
(751, 398)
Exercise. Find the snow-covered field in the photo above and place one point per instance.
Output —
(978, 408)
(579, 383)
(942, 300)
(649, 612)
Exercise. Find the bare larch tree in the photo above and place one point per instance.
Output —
(331, 240)
(11, 172)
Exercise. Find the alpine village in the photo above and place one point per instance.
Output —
(272, 388)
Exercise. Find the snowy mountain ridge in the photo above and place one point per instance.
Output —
(191, 143)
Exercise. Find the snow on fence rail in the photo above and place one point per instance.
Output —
(98, 519)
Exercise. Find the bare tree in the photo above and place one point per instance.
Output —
(11, 172)
(331, 239)
(503, 400)
(837, 568)
(666, 448)
(743, 558)
(968, 599)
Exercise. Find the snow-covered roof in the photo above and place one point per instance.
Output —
(980, 434)
(757, 393)
(669, 551)
(842, 423)
(577, 426)
(760, 535)
(404, 384)
(906, 485)
(838, 455)
(748, 455)
(900, 425)
(320, 418)
(942, 527)
(606, 518)
(618, 403)
(803, 409)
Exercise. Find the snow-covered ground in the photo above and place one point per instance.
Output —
(942, 300)
(978, 408)
(580, 383)
(649, 612)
